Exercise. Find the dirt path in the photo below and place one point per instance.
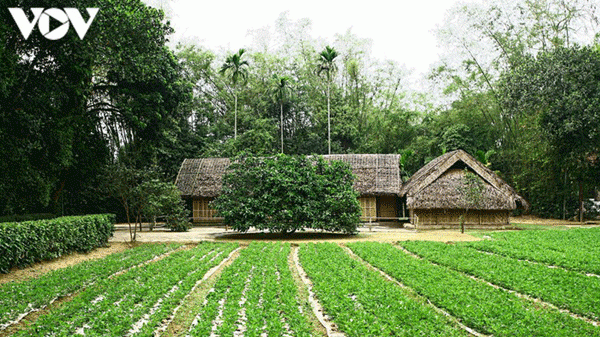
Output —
(214, 233)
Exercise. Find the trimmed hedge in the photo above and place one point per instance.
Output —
(24, 243)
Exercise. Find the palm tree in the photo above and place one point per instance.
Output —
(280, 89)
(235, 69)
(327, 65)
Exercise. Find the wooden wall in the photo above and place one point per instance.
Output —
(387, 206)
(203, 212)
(368, 208)
(450, 219)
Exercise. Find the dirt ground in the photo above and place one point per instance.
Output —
(532, 220)
(220, 233)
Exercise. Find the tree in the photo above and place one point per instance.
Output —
(285, 193)
(471, 190)
(236, 69)
(280, 90)
(561, 90)
(155, 198)
(327, 65)
(69, 106)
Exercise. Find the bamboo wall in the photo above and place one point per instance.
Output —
(203, 212)
(450, 219)
(387, 206)
(368, 208)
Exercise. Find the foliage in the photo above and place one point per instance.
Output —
(68, 106)
(472, 189)
(235, 69)
(155, 198)
(286, 193)
(20, 298)
(24, 243)
(533, 279)
(362, 303)
(575, 249)
(560, 90)
(260, 284)
(485, 309)
(142, 298)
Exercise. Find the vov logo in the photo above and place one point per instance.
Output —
(42, 18)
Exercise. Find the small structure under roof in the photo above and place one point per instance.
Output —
(377, 181)
(436, 198)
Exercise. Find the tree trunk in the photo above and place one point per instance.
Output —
(580, 201)
(328, 121)
(281, 124)
(235, 118)
(131, 237)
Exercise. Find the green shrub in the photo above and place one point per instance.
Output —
(24, 243)
(284, 194)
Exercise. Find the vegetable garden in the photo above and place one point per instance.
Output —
(527, 283)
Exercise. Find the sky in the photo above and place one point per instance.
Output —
(401, 30)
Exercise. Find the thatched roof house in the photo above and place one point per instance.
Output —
(436, 194)
(377, 181)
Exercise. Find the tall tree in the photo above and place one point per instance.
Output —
(326, 65)
(235, 69)
(281, 90)
(561, 90)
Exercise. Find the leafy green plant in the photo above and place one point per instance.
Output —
(24, 243)
(534, 279)
(362, 303)
(573, 249)
(135, 302)
(259, 286)
(156, 198)
(18, 298)
(285, 194)
(478, 305)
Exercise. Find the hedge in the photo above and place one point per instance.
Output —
(24, 243)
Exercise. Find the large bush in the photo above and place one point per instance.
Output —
(154, 198)
(24, 243)
(285, 194)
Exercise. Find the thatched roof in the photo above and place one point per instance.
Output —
(201, 177)
(376, 174)
(441, 185)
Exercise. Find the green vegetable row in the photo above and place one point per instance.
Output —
(484, 308)
(574, 249)
(143, 296)
(565, 289)
(256, 293)
(24, 243)
(362, 303)
(17, 298)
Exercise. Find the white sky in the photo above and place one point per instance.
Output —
(401, 30)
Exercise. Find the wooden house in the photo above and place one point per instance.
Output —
(436, 196)
(377, 181)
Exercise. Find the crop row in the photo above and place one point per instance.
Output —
(565, 289)
(362, 303)
(19, 298)
(254, 295)
(135, 302)
(482, 307)
(574, 249)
